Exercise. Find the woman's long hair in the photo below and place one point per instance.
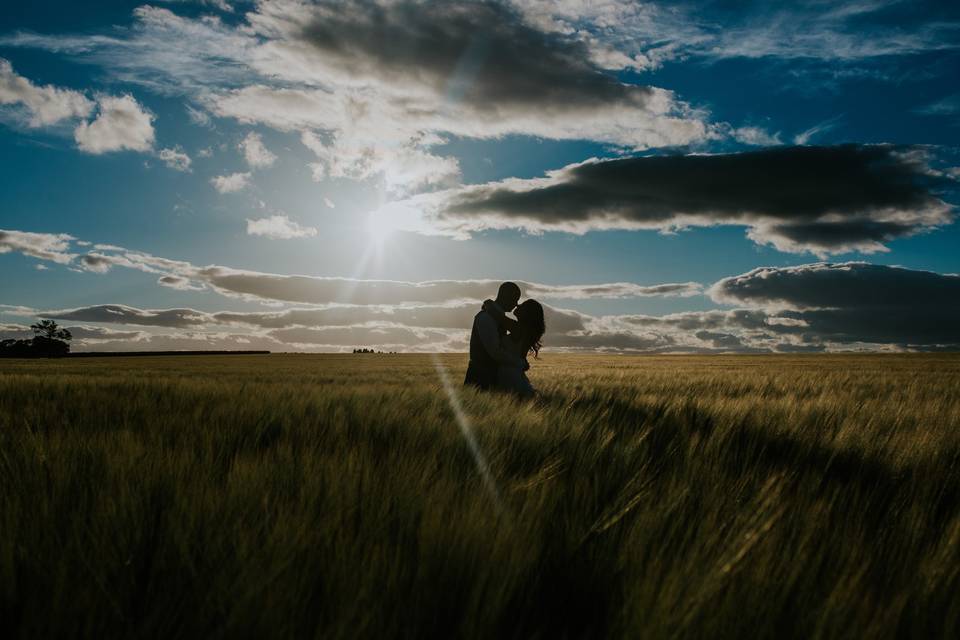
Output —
(532, 327)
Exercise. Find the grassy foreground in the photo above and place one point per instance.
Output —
(336, 497)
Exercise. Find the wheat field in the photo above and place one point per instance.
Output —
(357, 496)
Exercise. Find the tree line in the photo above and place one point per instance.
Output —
(49, 341)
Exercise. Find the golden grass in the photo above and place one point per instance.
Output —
(334, 496)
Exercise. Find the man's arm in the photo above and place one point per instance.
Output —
(494, 310)
(487, 329)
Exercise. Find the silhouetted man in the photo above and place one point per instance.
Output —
(486, 354)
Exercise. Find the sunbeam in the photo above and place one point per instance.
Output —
(464, 424)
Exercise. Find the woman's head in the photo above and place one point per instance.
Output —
(530, 317)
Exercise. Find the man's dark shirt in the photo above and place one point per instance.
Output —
(482, 370)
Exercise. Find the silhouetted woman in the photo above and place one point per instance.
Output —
(522, 338)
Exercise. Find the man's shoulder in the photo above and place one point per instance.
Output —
(484, 313)
(483, 316)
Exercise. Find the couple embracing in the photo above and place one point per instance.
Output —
(499, 344)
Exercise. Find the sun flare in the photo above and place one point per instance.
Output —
(380, 228)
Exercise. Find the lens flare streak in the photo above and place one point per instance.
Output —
(464, 423)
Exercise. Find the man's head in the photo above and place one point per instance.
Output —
(508, 296)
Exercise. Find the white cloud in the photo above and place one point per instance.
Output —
(222, 5)
(403, 169)
(198, 116)
(96, 263)
(827, 35)
(15, 331)
(628, 34)
(178, 282)
(805, 136)
(45, 246)
(273, 287)
(161, 51)
(364, 118)
(45, 105)
(17, 310)
(756, 136)
(278, 227)
(255, 153)
(444, 316)
(121, 123)
(255, 285)
(282, 109)
(230, 183)
(83, 335)
(175, 158)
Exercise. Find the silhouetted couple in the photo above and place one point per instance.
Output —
(499, 344)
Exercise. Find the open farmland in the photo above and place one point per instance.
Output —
(338, 496)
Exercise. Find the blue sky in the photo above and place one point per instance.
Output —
(383, 145)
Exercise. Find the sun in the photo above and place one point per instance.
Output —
(386, 223)
(380, 229)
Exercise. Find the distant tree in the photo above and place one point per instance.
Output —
(11, 348)
(49, 329)
(49, 341)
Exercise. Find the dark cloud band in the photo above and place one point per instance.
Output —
(481, 52)
(855, 301)
(820, 199)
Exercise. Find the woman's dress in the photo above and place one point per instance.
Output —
(514, 378)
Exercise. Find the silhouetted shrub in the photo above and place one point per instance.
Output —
(50, 342)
